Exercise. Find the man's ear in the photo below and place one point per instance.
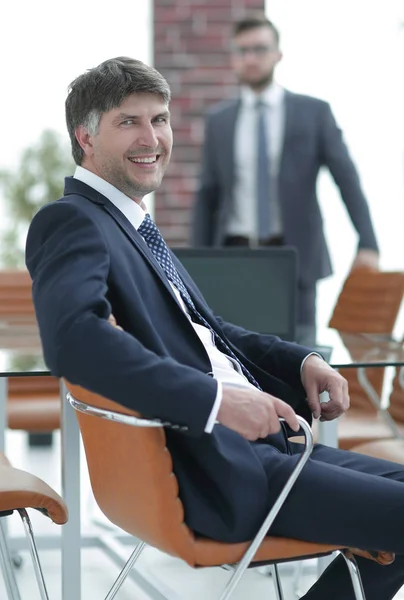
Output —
(84, 139)
(280, 56)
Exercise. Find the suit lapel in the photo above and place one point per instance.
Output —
(289, 128)
(74, 186)
(143, 248)
(227, 131)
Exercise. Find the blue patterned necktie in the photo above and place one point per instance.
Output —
(153, 238)
(262, 177)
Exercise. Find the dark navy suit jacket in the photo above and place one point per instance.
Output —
(312, 140)
(86, 261)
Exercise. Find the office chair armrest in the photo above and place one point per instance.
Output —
(263, 531)
(115, 416)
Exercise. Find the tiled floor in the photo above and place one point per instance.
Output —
(98, 572)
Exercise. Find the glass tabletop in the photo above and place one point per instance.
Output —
(21, 352)
(356, 350)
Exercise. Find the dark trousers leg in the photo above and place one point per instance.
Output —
(348, 499)
(306, 305)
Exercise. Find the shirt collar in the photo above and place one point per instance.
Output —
(271, 96)
(132, 211)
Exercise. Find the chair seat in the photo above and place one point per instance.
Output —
(357, 427)
(20, 489)
(273, 549)
(392, 450)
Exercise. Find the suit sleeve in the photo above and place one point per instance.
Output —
(68, 260)
(335, 156)
(205, 212)
(273, 355)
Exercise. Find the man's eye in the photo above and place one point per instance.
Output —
(161, 120)
(127, 122)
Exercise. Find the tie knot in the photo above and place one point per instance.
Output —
(148, 229)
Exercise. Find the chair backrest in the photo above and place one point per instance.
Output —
(15, 295)
(253, 288)
(396, 404)
(132, 478)
(369, 302)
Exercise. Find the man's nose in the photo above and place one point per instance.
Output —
(147, 137)
(251, 58)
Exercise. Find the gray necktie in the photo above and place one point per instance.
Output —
(262, 178)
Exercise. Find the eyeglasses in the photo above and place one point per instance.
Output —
(258, 50)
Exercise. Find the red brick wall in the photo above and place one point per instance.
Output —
(192, 50)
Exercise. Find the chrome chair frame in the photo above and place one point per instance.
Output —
(240, 567)
(7, 564)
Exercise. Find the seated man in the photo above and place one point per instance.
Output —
(96, 252)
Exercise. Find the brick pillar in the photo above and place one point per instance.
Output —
(192, 50)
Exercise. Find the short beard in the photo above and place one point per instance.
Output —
(131, 188)
(127, 186)
(261, 84)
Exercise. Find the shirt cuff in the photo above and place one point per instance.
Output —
(213, 414)
(306, 357)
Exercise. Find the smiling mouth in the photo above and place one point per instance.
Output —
(144, 160)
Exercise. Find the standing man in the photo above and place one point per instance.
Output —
(261, 158)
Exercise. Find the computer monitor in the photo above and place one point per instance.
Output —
(253, 288)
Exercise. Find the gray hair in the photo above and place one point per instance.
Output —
(105, 87)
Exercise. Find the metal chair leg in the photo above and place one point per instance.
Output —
(124, 573)
(7, 566)
(277, 582)
(34, 553)
(234, 579)
(297, 576)
(355, 576)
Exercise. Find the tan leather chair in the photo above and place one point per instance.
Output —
(369, 302)
(141, 496)
(15, 296)
(20, 490)
(390, 449)
(33, 402)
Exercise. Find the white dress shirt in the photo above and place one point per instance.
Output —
(243, 219)
(225, 370)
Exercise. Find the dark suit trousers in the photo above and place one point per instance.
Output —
(306, 304)
(342, 498)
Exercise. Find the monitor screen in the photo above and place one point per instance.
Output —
(253, 288)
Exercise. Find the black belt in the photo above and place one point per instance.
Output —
(241, 240)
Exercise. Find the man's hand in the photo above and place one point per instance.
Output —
(366, 259)
(318, 377)
(254, 414)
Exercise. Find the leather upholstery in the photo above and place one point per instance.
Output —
(19, 489)
(392, 450)
(383, 558)
(396, 404)
(33, 402)
(389, 449)
(359, 427)
(15, 296)
(141, 494)
(369, 302)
